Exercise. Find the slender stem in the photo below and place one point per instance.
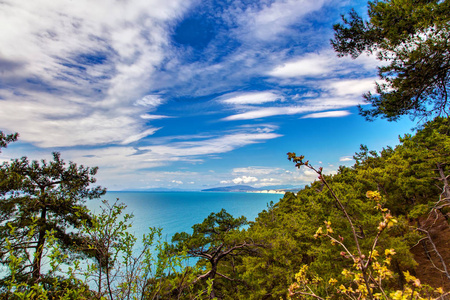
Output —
(355, 237)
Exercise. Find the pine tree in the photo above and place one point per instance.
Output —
(38, 199)
(413, 38)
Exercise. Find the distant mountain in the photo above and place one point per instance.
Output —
(234, 188)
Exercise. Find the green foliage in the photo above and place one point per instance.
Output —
(117, 267)
(413, 38)
(323, 241)
(405, 177)
(6, 139)
(51, 285)
(36, 198)
(213, 240)
(123, 269)
(214, 231)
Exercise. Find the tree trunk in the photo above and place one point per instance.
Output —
(212, 275)
(36, 273)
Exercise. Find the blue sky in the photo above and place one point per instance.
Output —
(185, 94)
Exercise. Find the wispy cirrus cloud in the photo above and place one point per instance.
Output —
(243, 98)
(217, 145)
(124, 161)
(149, 101)
(91, 62)
(323, 77)
(321, 64)
(350, 87)
(328, 114)
(267, 112)
(270, 20)
(311, 64)
(307, 106)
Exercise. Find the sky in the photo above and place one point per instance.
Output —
(185, 94)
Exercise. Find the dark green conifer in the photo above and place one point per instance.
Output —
(41, 198)
(412, 39)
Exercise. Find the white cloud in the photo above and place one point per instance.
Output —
(328, 114)
(306, 176)
(177, 181)
(327, 75)
(51, 124)
(274, 18)
(250, 98)
(311, 105)
(312, 64)
(137, 137)
(153, 117)
(150, 101)
(327, 103)
(266, 112)
(96, 73)
(217, 145)
(350, 87)
(322, 64)
(244, 179)
(346, 158)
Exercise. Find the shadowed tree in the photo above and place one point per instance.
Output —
(213, 240)
(6, 139)
(412, 39)
(38, 198)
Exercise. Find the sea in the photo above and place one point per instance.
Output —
(178, 211)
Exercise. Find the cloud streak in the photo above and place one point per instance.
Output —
(272, 20)
(251, 98)
(328, 114)
(322, 71)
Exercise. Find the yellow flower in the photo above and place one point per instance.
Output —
(378, 296)
(391, 223)
(381, 226)
(343, 288)
(328, 224)
(346, 273)
(319, 232)
(388, 252)
(373, 195)
(398, 295)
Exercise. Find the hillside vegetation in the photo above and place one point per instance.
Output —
(376, 230)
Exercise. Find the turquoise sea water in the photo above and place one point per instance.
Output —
(178, 211)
